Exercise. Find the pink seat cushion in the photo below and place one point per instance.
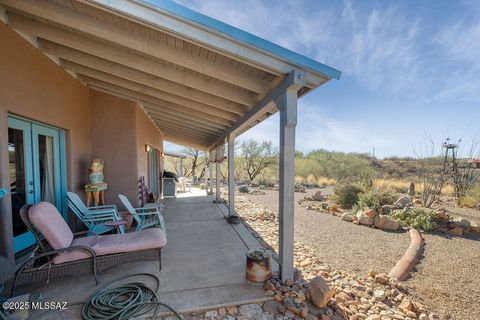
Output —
(46, 218)
(115, 243)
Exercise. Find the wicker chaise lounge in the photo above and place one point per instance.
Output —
(59, 253)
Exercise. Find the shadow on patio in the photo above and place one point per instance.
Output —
(203, 264)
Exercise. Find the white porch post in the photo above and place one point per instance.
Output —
(287, 104)
(180, 170)
(210, 175)
(231, 175)
(217, 177)
(205, 174)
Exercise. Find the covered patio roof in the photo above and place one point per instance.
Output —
(198, 79)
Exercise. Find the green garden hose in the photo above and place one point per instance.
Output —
(123, 301)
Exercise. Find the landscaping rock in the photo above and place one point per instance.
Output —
(371, 213)
(474, 227)
(233, 311)
(271, 307)
(387, 209)
(363, 219)
(318, 196)
(320, 292)
(250, 311)
(347, 216)
(402, 202)
(379, 295)
(391, 224)
(442, 215)
(457, 231)
(464, 223)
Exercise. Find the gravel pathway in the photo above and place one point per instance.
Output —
(447, 278)
(342, 245)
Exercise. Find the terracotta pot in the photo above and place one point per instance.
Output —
(259, 268)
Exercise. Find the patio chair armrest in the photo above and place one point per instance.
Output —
(100, 218)
(85, 232)
(103, 210)
(109, 206)
(147, 213)
(146, 210)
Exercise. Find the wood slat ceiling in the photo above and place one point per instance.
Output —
(191, 93)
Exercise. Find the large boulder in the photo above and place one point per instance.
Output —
(403, 202)
(391, 224)
(318, 196)
(384, 222)
(363, 219)
(474, 227)
(319, 292)
(347, 216)
(371, 213)
(457, 231)
(461, 222)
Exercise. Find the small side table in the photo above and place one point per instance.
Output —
(98, 193)
(116, 224)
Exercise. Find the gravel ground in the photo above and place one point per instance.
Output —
(342, 245)
(448, 276)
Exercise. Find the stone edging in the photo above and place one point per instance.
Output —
(410, 258)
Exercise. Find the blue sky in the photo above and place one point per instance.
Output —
(410, 69)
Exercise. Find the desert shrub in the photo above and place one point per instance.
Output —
(243, 189)
(346, 195)
(367, 200)
(471, 199)
(416, 218)
(374, 200)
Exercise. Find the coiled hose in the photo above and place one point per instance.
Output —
(123, 301)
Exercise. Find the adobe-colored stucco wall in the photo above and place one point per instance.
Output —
(113, 133)
(147, 133)
(33, 86)
(119, 131)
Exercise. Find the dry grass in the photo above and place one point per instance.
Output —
(401, 186)
(315, 181)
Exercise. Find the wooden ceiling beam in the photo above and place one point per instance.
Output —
(106, 77)
(88, 61)
(159, 111)
(189, 123)
(137, 96)
(99, 29)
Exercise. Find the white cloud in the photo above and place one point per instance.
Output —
(460, 43)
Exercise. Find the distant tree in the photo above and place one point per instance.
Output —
(256, 157)
(195, 160)
(343, 167)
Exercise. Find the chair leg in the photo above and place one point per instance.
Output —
(160, 260)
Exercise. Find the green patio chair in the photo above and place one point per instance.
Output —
(94, 217)
(145, 217)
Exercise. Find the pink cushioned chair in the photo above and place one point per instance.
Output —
(66, 254)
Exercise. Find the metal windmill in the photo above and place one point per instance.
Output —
(450, 164)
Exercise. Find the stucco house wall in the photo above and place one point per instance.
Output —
(33, 86)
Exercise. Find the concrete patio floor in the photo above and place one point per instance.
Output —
(203, 264)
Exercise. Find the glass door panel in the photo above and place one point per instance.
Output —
(153, 176)
(36, 167)
(46, 164)
(21, 178)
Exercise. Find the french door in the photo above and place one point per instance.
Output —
(36, 170)
(153, 175)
